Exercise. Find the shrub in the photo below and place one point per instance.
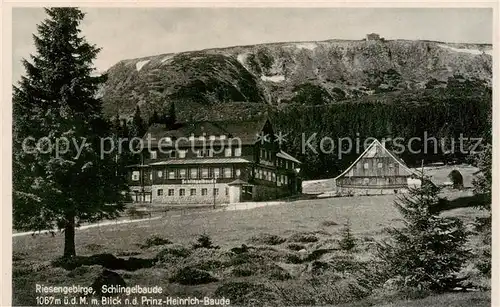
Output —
(133, 213)
(192, 276)
(94, 247)
(174, 251)
(242, 293)
(347, 242)
(317, 253)
(18, 256)
(278, 273)
(429, 250)
(243, 270)
(155, 240)
(317, 267)
(108, 278)
(294, 259)
(328, 223)
(209, 265)
(127, 253)
(296, 246)
(245, 258)
(269, 269)
(239, 250)
(324, 289)
(108, 261)
(204, 241)
(269, 239)
(272, 254)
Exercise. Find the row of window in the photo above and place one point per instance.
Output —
(268, 175)
(379, 165)
(192, 192)
(264, 174)
(192, 173)
(265, 154)
(285, 164)
(373, 181)
(168, 140)
(200, 153)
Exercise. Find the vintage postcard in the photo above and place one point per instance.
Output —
(223, 155)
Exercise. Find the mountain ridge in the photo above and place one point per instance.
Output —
(317, 72)
(305, 41)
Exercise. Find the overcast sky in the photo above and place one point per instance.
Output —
(136, 32)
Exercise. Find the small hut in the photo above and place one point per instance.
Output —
(376, 171)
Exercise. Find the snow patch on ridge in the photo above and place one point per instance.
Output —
(141, 64)
(466, 50)
(242, 57)
(308, 46)
(277, 78)
(167, 58)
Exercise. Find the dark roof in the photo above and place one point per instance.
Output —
(200, 161)
(244, 130)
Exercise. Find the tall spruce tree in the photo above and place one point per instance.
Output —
(429, 250)
(170, 117)
(55, 102)
(154, 118)
(138, 127)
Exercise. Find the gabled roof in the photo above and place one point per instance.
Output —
(244, 130)
(371, 151)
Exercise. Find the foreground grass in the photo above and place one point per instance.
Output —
(460, 299)
(294, 248)
(368, 216)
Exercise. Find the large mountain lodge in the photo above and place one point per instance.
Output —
(213, 162)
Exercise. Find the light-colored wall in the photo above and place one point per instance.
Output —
(341, 191)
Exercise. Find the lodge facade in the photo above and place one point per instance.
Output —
(213, 162)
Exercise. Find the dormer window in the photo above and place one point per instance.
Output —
(153, 154)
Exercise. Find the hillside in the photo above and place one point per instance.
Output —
(279, 73)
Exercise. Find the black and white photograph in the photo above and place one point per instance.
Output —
(251, 155)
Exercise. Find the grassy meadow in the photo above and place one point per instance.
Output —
(290, 256)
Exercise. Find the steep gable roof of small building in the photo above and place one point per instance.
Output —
(244, 130)
(282, 154)
(375, 149)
